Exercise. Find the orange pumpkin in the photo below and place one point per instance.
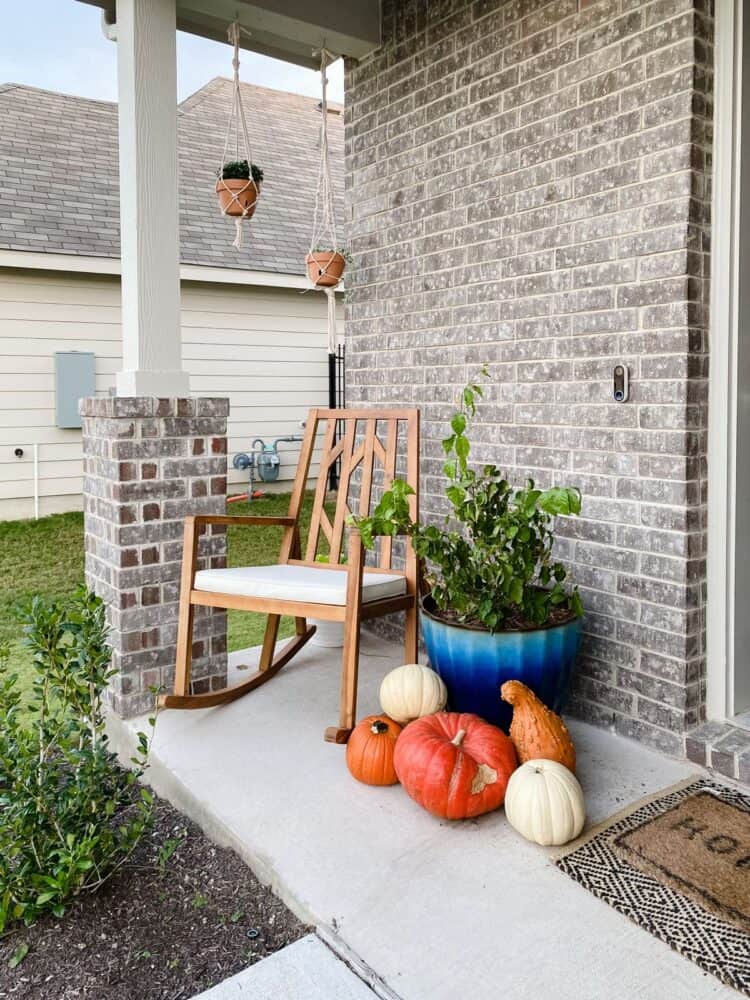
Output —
(455, 764)
(537, 733)
(369, 752)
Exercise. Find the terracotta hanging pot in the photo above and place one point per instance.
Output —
(325, 267)
(237, 196)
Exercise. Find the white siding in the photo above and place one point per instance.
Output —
(264, 348)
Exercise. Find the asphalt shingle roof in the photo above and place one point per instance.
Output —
(59, 175)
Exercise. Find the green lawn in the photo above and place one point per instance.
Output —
(46, 557)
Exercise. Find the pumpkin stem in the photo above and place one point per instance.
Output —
(458, 738)
(379, 727)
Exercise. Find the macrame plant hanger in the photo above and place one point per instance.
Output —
(237, 124)
(324, 217)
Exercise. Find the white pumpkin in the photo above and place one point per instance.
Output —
(544, 803)
(411, 691)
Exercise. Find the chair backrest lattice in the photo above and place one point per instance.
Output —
(367, 443)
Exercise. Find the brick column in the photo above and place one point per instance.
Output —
(147, 464)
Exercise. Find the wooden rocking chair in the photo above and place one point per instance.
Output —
(341, 590)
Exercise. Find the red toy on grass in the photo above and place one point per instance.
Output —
(455, 764)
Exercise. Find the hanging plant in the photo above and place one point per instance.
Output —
(325, 261)
(238, 180)
(326, 266)
(238, 188)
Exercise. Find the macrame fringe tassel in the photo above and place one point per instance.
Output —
(237, 244)
(332, 332)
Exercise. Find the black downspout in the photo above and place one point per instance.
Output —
(333, 474)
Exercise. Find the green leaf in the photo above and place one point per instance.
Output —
(458, 423)
(462, 447)
(456, 495)
(560, 500)
(576, 604)
(18, 955)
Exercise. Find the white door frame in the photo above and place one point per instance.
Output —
(723, 363)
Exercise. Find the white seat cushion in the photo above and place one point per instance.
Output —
(296, 583)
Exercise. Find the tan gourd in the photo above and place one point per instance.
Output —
(537, 733)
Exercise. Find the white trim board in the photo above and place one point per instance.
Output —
(82, 264)
(722, 402)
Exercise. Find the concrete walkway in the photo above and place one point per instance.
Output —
(305, 970)
(437, 910)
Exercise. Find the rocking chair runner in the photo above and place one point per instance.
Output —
(341, 591)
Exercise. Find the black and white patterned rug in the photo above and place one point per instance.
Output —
(716, 946)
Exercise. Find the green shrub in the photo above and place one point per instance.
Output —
(69, 814)
(491, 565)
(240, 170)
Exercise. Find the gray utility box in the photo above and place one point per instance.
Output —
(75, 378)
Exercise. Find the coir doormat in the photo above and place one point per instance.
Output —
(678, 864)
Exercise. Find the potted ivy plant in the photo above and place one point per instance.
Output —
(325, 266)
(238, 188)
(499, 606)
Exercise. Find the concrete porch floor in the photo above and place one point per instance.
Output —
(421, 909)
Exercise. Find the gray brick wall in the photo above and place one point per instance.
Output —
(528, 185)
(147, 464)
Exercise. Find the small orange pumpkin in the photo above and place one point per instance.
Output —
(537, 733)
(369, 752)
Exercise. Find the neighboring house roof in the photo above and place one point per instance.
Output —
(59, 175)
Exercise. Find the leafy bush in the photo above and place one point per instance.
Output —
(240, 170)
(69, 814)
(491, 565)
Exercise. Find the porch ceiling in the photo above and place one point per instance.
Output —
(285, 29)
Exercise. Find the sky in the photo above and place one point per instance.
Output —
(58, 45)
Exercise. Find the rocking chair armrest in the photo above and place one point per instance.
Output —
(242, 519)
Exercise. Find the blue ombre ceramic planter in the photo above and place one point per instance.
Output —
(475, 664)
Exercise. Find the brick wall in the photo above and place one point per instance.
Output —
(528, 185)
(147, 464)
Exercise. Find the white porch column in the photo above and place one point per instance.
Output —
(149, 218)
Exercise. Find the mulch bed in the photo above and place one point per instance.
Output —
(155, 931)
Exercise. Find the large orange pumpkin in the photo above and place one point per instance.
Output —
(369, 752)
(455, 764)
(537, 733)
